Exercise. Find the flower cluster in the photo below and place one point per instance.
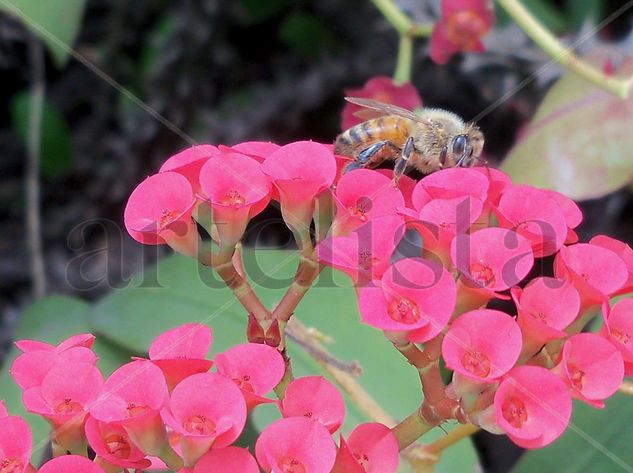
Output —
(483, 238)
(170, 411)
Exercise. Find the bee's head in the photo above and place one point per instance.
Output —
(465, 149)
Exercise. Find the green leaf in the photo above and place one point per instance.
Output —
(549, 15)
(55, 22)
(174, 292)
(596, 441)
(55, 143)
(579, 142)
(257, 11)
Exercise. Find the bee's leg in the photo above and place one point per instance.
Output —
(401, 164)
(372, 156)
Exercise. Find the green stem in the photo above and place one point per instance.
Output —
(405, 60)
(454, 436)
(411, 429)
(171, 458)
(401, 22)
(561, 53)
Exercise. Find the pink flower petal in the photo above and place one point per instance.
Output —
(67, 463)
(295, 442)
(315, 398)
(533, 406)
(227, 460)
(482, 344)
(375, 447)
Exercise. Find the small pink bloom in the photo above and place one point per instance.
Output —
(591, 367)
(416, 296)
(440, 220)
(181, 351)
(533, 406)
(63, 400)
(70, 463)
(361, 196)
(462, 25)
(596, 272)
(237, 190)
(385, 90)
(533, 214)
(498, 181)
(545, 307)
(258, 150)
(449, 184)
(624, 251)
(371, 448)
(572, 213)
(112, 444)
(316, 398)
(16, 443)
(206, 410)
(493, 259)
(255, 368)
(189, 162)
(618, 328)
(295, 445)
(30, 368)
(227, 460)
(300, 171)
(159, 211)
(482, 344)
(132, 397)
(366, 253)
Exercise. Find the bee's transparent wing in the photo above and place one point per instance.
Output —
(374, 109)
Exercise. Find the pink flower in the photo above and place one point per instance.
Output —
(417, 297)
(258, 150)
(482, 344)
(462, 25)
(296, 445)
(385, 90)
(68, 463)
(498, 181)
(591, 367)
(371, 448)
(449, 184)
(63, 400)
(624, 251)
(113, 445)
(159, 211)
(181, 351)
(535, 215)
(227, 460)
(315, 398)
(572, 213)
(545, 307)
(189, 162)
(618, 328)
(16, 443)
(255, 368)
(132, 397)
(300, 171)
(493, 259)
(533, 406)
(596, 272)
(361, 196)
(366, 253)
(206, 410)
(237, 190)
(440, 220)
(30, 368)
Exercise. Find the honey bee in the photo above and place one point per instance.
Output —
(429, 141)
